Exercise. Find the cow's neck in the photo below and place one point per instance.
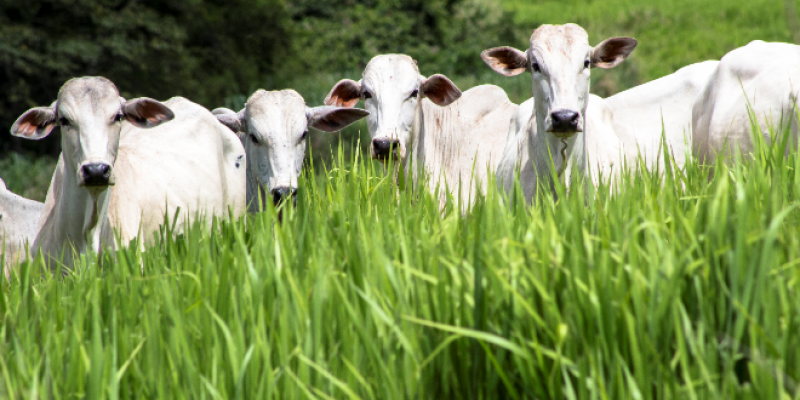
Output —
(253, 189)
(567, 153)
(83, 213)
(434, 151)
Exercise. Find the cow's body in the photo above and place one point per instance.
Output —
(568, 129)
(459, 143)
(19, 222)
(112, 176)
(429, 126)
(273, 128)
(763, 76)
(642, 113)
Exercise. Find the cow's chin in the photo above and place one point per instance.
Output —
(564, 134)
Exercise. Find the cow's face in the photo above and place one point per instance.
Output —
(391, 87)
(560, 60)
(273, 127)
(89, 111)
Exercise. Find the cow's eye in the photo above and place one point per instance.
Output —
(253, 139)
(63, 121)
(367, 95)
(536, 67)
(414, 94)
(118, 117)
(303, 136)
(587, 63)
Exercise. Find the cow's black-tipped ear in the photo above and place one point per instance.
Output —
(35, 123)
(333, 119)
(146, 113)
(232, 120)
(611, 52)
(506, 60)
(346, 93)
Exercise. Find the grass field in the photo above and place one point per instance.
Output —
(367, 292)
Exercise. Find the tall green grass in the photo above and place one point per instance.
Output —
(684, 287)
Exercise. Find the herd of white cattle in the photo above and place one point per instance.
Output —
(128, 165)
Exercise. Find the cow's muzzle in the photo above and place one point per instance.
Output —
(384, 149)
(96, 174)
(565, 123)
(283, 193)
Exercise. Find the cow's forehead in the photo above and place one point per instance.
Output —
(96, 93)
(391, 67)
(563, 39)
(271, 108)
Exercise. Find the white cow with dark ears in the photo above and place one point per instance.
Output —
(273, 127)
(429, 125)
(115, 176)
(19, 222)
(560, 60)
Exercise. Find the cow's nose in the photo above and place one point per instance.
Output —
(96, 174)
(565, 121)
(383, 147)
(282, 193)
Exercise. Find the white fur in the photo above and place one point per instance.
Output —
(19, 220)
(193, 163)
(456, 143)
(764, 75)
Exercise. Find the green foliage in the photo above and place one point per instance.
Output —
(202, 50)
(684, 287)
(26, 176)
(342, 35)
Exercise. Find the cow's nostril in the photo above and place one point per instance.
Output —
(385, 147)
(96, 174)
(282, 193)
(565, 120)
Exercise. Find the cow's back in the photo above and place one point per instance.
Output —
(466, 139)
(192, 163)
(763, 76)
(642, 113)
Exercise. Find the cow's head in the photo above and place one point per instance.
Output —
(391, 87)
(89, 111)
(273, 127)
(560, 59)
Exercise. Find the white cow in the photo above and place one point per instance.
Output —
(562, 126)
(19, 220)
(642, 113)
(429, 125)
(113, 176)
(763, 76)
(273, 127)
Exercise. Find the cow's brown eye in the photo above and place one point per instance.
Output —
(63, 121)
(253, 139)
(414, 94)
(536, 67)
(367, 95)
(587, 64)
(118, 117)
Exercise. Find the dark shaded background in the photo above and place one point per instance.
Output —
(217, 53)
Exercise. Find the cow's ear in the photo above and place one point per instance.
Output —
(346, 93)
(232, 120)
(506, 60)
(35, 123)
(146, 113)
(440, 90)
(611, 52)
(332, 119)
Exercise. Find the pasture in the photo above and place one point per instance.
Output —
(682, 285)
(368, 292)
